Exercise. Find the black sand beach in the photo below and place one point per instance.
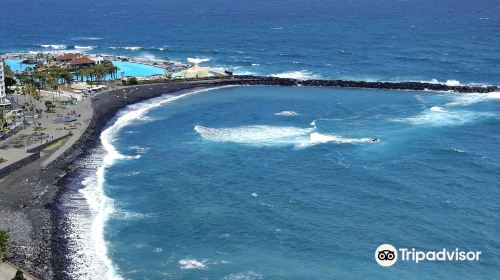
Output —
(28, 195)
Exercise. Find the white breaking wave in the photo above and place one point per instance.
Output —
(247, 275)
(318, 138)
(452, 83)
(139, 149)
(192, 264)
(86, 38)
(197, 60)
(85, 47)
(465, 99)
(134, 48)
(437, 116)
(100, 205)
(148, 56)
(264, 135)
(286, 114)
(437, 109)
(257, 134)
(297, 75)
(56, 47)
(101, 208)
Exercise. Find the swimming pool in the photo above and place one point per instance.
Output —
(17, 65)
(136, 69)
(129, 68)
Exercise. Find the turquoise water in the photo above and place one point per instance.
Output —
(129, 68)
(232, 184)
(17, 65)
(136, 69)
(287, 183)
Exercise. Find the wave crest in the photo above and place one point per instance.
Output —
(297, 75)
(437, 116)
(466, 99)
(192, 264)
(85, 47)
(264, 135)
(55, 47)
(102, 206)
(197, 60)
(287, 114)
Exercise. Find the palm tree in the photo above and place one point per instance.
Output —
(2, 120)
(81, 73)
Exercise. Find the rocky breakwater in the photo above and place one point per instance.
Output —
(255, 80)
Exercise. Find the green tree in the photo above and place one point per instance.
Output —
(4, 238)
(132, 81)
(9, 76)
(9, 81)
(19, 275)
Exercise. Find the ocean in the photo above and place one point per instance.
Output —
(388, 40)
(284, 182)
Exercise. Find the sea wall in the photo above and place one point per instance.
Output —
(46, 144)
(18, 164)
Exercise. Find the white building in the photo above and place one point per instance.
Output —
(4, 102)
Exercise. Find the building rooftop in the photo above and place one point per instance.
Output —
(81, 60)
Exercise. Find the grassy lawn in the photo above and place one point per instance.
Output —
(54, 145)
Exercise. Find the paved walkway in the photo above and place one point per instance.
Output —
(7, 272)
(83, 114)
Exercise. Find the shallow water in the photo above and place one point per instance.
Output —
(223, 185)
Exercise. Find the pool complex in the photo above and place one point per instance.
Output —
(128, 68)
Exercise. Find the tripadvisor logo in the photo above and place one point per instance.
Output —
(387, 255)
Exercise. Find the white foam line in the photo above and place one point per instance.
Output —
(99, 203)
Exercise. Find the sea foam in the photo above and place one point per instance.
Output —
(264, 135)
(197, 60)
(287, 114)
(297, 75)
(318, 138)
(102, 206)
(192, 264)
(54, 46)
(85, 47)
(465, 99)
(437, 116)
(133, 48)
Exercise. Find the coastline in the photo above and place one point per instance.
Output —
(42, 250)
(37, 239)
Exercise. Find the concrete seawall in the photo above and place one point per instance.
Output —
(45, 145)
(34, 155)
(18, 164)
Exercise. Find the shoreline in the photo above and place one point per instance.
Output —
(37, 239)
(43, 251)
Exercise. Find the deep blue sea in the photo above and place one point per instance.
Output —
(278, 182)
(421, 40)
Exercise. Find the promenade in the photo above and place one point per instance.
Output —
(43, 133)
(7, 272)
